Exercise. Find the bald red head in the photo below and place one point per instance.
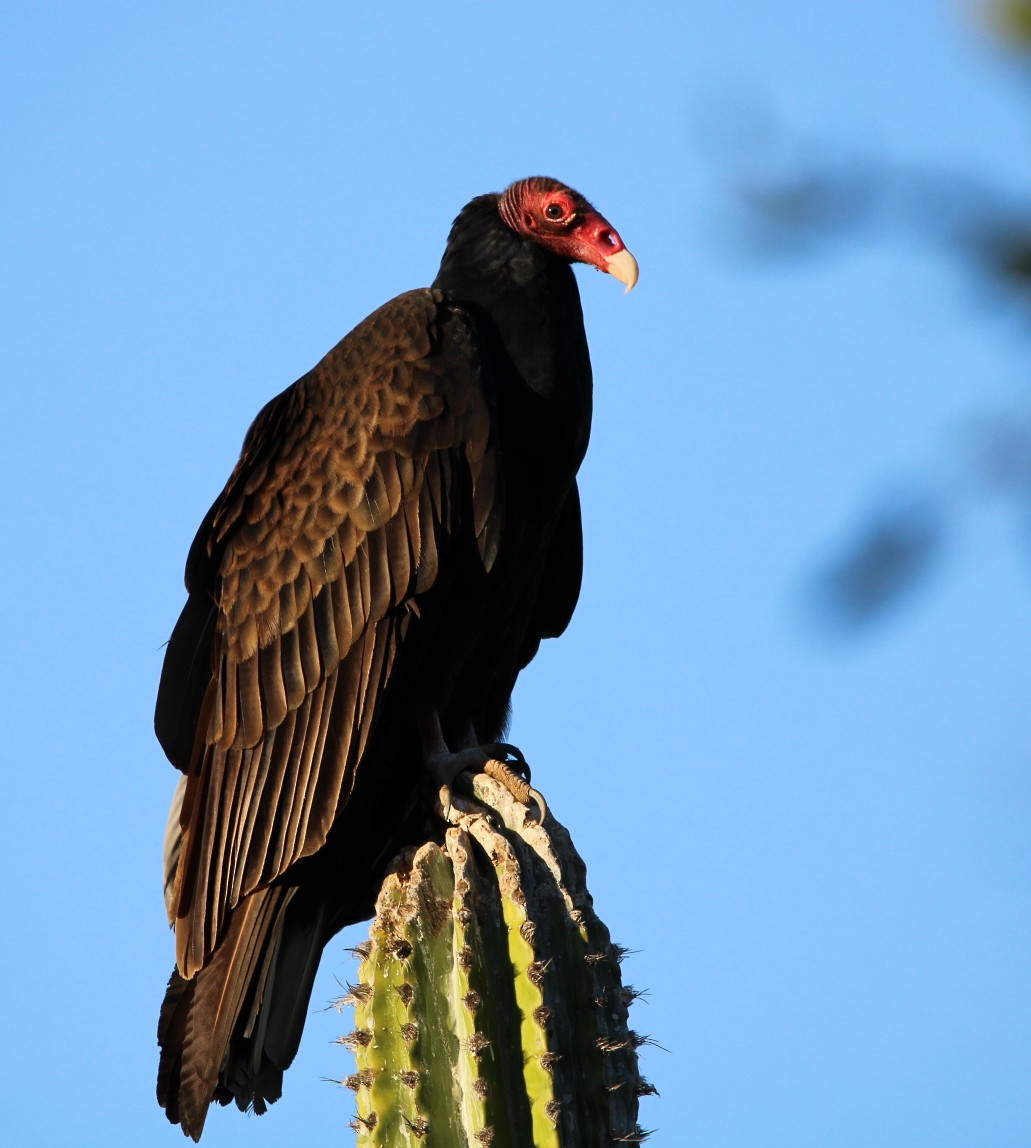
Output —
(562, 221)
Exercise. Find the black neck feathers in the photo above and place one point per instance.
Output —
(528, 297)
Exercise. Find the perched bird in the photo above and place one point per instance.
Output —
(400, 532)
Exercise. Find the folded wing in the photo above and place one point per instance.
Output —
(304, 582)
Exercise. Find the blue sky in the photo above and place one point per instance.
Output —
(818, 851)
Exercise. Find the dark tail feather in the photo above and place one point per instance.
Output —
(231, 1031)
(171, 1032)
(266, 1044)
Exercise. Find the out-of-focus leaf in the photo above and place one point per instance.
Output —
(1007, 254)
(882, 565)
(791, 210)
(1012, 19)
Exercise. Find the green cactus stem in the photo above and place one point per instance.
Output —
(489, 1008)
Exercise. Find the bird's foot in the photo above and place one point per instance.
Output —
(499, 760)
(515, 777)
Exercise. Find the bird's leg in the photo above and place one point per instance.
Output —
(443, 765)
(499, 760)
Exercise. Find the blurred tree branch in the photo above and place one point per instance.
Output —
(794, 199)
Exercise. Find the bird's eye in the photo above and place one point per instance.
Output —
(554, 211)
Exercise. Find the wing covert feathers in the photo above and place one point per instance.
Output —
(348, 490)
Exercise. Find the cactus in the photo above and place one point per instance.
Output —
(489, 1008)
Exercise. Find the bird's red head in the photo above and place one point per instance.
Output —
(562, 221)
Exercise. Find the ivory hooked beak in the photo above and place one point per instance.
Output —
(624, 266)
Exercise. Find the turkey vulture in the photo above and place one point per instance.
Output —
(400, 532)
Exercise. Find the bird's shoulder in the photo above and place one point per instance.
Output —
(338, 453)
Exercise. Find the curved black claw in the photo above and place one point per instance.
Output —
(510, 756)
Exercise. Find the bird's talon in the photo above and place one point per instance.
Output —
(542, 806)
(444, 802)
(504, 773)
(510, 756)
(456, 810)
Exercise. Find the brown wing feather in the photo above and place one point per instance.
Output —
(337, 513)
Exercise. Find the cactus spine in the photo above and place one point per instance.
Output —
(489, 1008)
